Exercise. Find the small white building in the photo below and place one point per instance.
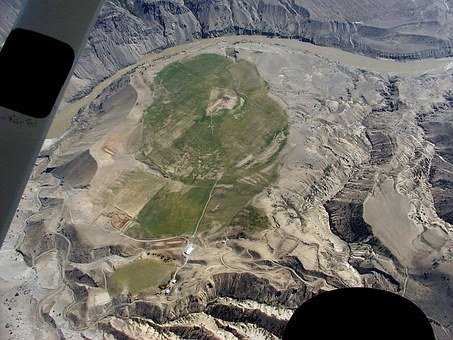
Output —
(188, 250)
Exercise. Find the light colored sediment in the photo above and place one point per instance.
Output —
(333, 133)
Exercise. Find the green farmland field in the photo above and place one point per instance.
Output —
(189, 142)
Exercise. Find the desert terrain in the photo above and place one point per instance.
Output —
(206, 191)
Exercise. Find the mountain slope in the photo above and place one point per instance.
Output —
(128, 29)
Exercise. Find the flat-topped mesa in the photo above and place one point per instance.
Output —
(208, 114)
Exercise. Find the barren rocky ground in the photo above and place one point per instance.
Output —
(362, 198)
(128, 29)
(362, 195)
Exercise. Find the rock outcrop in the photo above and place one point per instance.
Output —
(363, 200)
(241, 286)
(128, 29)
(10, 10)
(437, 125)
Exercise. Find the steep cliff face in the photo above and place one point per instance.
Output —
(128, 29)
(241, 286)
(385, 14)
(364, 180)
(9, 10)
(339, 23)
(275, 17)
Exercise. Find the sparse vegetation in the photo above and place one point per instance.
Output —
(139, 276)
(173, 213)
(251, 219)
(131, 191)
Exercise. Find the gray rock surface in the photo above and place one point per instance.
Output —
(128, 29)
(362, 200)
(9, 10)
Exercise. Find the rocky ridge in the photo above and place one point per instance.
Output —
(129, 29)
(361, 143)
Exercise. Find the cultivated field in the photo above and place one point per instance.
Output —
(212, 123)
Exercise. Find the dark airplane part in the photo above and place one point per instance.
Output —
(358, 313)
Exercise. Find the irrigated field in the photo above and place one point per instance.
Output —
(139, 276)
(211, 122)
(169, 213)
